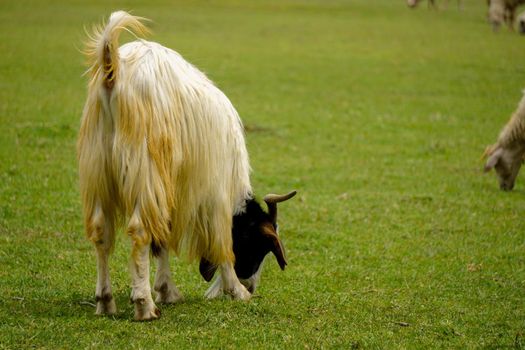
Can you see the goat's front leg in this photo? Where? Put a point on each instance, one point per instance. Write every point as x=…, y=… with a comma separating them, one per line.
x=228, y=283
x=167, y=292
x=145, y=308
x=102, y=234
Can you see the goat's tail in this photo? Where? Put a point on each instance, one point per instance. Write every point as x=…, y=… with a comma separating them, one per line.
x=102, y=45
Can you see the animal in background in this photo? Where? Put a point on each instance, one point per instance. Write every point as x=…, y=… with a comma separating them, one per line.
x=503, y=11
x=507, y=154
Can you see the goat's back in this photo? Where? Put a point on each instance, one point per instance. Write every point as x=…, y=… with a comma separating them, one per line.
x=172, y=146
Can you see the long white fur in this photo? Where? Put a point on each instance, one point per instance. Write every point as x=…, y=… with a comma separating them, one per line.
x=514, y=131
x=159, y=145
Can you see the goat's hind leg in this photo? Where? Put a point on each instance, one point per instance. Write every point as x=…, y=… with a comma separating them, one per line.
x=167, y=292
x=102, y=234
x=228, y=283
x=145, y=308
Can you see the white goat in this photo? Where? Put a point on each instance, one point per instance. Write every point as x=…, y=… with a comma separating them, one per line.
x=507, y=154
x=161, y=146
x=501, y=11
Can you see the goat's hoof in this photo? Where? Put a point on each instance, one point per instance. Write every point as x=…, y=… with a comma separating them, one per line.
x=145, y=310
x=167, y=293
x=239, y=293
x=244, y=295
x=105, y=305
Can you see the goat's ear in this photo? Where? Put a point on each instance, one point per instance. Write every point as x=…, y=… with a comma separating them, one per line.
x=275, y=244
x=493, y=158
x=207, y=269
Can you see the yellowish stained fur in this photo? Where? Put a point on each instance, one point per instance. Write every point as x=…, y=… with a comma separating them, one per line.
x=159, y=144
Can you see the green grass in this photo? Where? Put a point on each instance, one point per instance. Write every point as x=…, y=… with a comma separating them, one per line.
x=376, y=114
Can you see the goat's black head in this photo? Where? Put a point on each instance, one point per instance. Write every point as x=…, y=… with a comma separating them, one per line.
x=255, y=234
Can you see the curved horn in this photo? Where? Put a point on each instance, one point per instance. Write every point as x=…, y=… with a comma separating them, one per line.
x=272, y=200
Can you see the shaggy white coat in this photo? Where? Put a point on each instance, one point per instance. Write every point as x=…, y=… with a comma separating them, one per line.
x=162, y=150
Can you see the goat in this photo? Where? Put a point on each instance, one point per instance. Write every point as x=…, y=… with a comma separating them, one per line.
x=503, y=11
x=161, y=146
x=507, y=154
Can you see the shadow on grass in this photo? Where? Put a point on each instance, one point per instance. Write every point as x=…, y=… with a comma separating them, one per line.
x=76, y=306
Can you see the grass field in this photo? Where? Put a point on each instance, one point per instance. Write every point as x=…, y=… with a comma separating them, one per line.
x=376, y=114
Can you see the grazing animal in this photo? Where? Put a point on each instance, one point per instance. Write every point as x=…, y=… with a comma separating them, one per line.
x=503, y=11
x=162, y=151
x=507, y=154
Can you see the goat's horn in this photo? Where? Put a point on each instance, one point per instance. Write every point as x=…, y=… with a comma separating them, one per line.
x=272, y=200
